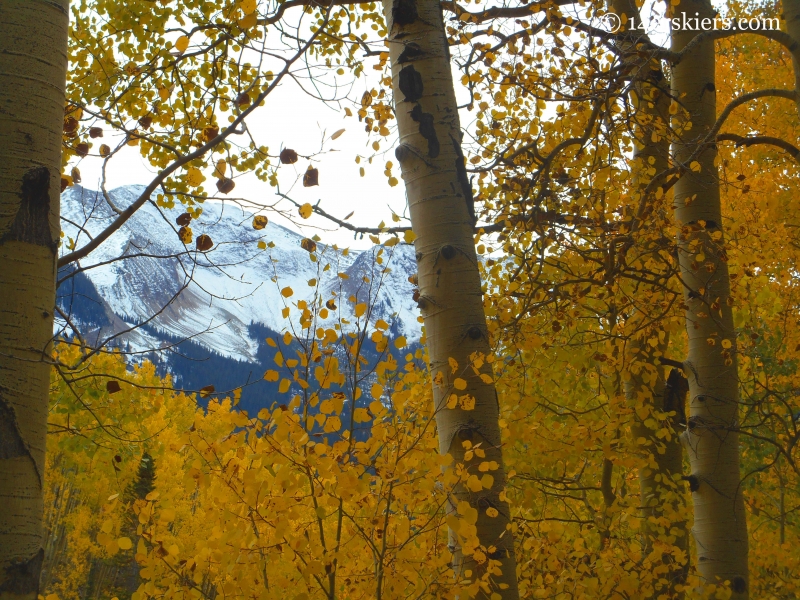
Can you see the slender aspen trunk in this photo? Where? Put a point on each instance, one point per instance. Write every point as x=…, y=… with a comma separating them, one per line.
x=660, y=487
x=662, y=501
x=712, y=441
x=791, y=14
x=33, y=62
x=442, y=215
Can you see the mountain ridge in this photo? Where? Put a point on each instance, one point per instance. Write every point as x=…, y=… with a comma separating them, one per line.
x=147, y=291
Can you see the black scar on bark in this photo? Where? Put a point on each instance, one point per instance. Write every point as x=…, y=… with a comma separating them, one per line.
x=411, y=83
x=426, y=129
x=694, y=482
x=404, y=12
x=411, y=51
x=22, y=578
x=675, y=391
x=463, y=180
x=739, y=585
x=32, y=221
x=11, y=444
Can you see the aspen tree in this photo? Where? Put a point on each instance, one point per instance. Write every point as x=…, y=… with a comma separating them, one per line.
x=647, y=390
x=33, y=62
x=791, y=14
x=443, y=217
x=720, y=530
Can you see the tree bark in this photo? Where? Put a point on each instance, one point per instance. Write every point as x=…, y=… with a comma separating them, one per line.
x=660, y=485
x=661, y=499
x=33, y=63
x=442, y=216
x=720, y=530
x=791, y=13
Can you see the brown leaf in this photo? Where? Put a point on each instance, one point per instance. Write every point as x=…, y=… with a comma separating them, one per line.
x=225, y=185
x=209, y=133
x=204, y=243
x=76, y=175
x=95, y=132
x=243, y=100
x=330, y=304
x=145, y=122
x=309, y=245
x=288, y=156
x=259, y=222
x=311, y=177
x=82, y=149
x=414, y=279
x=112, y=387
x=118, y=458
x=207, y=390
x=70, y=125
x=415, y=295
x=64, y=183
x=105, y=150
x=352, y=212
x=366, y=99
x=184, y=219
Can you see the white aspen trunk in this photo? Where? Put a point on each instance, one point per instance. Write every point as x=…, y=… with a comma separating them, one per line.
x=442, y=215
x=33, y=63
x=712, y=442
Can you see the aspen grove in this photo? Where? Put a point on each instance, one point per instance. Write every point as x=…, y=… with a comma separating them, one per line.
x=601, y=203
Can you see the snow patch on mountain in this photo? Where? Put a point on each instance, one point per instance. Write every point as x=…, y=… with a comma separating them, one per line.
x=214, y=297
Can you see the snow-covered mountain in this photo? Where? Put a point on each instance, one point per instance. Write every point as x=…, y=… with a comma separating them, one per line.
x=224, y=299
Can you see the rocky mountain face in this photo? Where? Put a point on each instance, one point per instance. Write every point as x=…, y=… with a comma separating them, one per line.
x=204, y=316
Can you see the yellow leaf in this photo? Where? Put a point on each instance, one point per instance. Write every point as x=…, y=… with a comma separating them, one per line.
x=376, y=391
x=278, y=359
x=459, y=384
x=409, y=236
x=381, y=324
x=248, y=6
x=487, y=481
x=336, y=134
x=181, y=44
x=248, y=21
x=284, y=386
x=124, y=543
x=287, y=292
x=474, y=484
x=305, y=210
x=271, y=376
x=695, y=166
x=194, y=177
x=400, y=342
x=361, y=308
x=219, y=171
